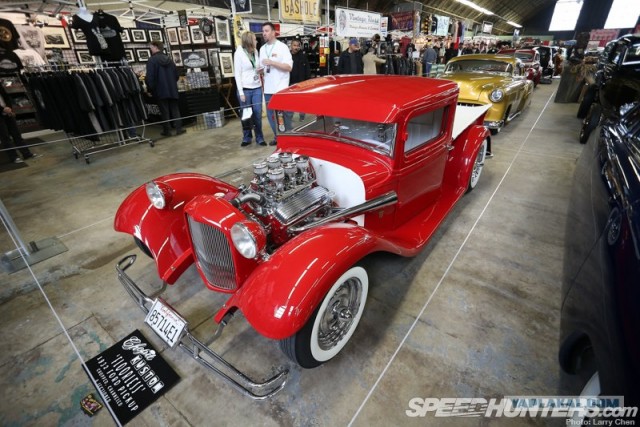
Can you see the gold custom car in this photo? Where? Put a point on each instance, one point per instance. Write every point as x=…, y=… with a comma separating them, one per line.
x=498, y=80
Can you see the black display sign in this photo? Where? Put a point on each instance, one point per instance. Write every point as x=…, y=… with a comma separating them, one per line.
x=131, y=375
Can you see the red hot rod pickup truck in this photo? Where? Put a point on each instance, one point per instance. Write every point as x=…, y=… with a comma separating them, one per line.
x=375, y=166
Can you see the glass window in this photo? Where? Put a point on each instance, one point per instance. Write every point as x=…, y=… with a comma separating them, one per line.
x=423, y=129
x=565, y=15
x=623, y=14
x=478, y=65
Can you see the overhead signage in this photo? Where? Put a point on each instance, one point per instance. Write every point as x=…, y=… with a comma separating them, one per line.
x=357, y=23
x=301, y=11
x=131, y=375
x=402, y=21
x=487, y=27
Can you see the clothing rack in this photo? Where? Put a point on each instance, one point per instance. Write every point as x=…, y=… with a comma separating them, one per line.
x=112, y=116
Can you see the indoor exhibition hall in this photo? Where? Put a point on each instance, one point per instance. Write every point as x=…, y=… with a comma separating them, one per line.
x=296, y=213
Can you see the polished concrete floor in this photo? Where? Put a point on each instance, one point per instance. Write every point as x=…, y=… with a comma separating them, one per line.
x=476, y=314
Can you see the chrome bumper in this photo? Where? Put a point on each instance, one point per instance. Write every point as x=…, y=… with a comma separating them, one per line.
x=200, y=351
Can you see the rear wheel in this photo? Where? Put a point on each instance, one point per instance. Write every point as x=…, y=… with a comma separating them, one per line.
x=478, y=165
x=333, y=323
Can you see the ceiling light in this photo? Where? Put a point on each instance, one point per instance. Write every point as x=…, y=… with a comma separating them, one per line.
x=475, y=6
x=513, y=24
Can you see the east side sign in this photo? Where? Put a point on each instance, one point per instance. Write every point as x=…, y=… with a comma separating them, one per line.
x=304, y=11
x=356, y=23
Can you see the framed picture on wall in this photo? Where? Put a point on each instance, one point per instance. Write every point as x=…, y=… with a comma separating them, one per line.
x=202, y=53
x=214, y=62
x=155, y=35
x=55, y=37
x=77, y=36
x=177, y=57
x=84, y=57
x=125, y=36
x=183, y=35
x=172, y=36
x=222, y=32
x=194, y=58
x=197, y=37
x=143, y=55
x=138, y=36
x=128, y=55
x=226, y=63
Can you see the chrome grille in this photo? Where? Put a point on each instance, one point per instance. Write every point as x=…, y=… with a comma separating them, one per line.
x=213, y=253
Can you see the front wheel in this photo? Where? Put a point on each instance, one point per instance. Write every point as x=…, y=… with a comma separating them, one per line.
x=331, y=326
x=478, y=165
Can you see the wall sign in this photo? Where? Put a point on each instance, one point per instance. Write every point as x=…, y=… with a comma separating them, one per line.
x=357, y=23
x=131, y=375
x=303, y=11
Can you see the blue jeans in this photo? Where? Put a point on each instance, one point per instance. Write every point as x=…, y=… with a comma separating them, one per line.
x=253, y=99
x=427, y=69
x=271, y=115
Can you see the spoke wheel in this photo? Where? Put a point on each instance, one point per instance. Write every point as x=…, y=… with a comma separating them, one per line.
x=328, y=331
x=478, y=165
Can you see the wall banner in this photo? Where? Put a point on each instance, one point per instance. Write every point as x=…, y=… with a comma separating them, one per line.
x=300, y=11
x=357, y=23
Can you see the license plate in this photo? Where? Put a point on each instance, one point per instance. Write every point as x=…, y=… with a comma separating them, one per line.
x=165, y=322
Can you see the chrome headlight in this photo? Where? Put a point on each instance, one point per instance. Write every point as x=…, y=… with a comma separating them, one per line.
x=159, y=194
x=496, y=95
x=249, y=238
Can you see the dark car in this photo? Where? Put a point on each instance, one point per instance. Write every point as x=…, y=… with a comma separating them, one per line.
x=600, y=317
x=617, y=82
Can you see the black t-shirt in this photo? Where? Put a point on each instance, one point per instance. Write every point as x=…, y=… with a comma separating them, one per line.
x=96, y=42
x=110, y=29
x=8, y=35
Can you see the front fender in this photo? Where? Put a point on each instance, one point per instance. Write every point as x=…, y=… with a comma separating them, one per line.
x=281, y=294
x=165, y=231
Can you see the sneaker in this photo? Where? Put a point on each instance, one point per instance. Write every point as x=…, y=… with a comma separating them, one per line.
x=32, y=156
x=18, y=160
x=261, y=143
x=273, y=142
x=181, y=131
x=488, y=155
x=245, y=143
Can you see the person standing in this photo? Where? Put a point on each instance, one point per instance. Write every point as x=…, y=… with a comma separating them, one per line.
x=300, y=72
x=452, y=52
x=162, y=78
x=9, y=129
x=277, y=62
x=429, y=58
x=350, y=61
x=245, y=65
x=370, y=60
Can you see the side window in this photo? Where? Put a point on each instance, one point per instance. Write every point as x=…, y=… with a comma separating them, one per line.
x=423, y=129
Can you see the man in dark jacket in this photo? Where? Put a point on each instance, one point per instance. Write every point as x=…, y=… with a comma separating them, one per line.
x=161, y=82
x=351, y=59
x=9, y=129
x=300, y=72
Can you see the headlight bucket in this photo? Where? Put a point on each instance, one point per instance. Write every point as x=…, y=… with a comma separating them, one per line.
x=249, y=238
x=159, y=194
x=496, y=95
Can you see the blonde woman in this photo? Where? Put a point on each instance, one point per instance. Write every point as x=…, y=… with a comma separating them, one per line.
x=247, y=74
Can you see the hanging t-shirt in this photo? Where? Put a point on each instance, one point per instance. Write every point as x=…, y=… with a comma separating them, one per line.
x=8, y=35
x=29, y=57
x=110, y=29
x=32, y=38
x=95, y=41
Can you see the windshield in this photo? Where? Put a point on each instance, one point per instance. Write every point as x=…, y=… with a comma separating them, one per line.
x=527, y=57
x=377, y=137
x=479, y=65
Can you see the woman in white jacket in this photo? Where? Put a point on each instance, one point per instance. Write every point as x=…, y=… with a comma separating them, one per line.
x=247, y=75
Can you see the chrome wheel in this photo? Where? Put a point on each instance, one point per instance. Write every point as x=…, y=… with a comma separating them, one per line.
x=478, y=165
x=339, y=314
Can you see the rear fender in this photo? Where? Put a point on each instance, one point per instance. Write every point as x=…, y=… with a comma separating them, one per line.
x=165, y=231
x=281, y=294
x=463, y=155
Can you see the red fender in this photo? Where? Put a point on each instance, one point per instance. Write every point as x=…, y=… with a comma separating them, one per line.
x=280, y=295
x=164, y=231
x=463, y=156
